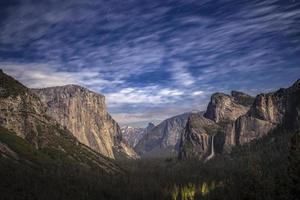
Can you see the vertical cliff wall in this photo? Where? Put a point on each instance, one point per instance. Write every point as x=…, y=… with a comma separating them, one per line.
x=84, y=113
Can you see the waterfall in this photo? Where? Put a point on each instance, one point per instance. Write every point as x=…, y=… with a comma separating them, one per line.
x=212, y=154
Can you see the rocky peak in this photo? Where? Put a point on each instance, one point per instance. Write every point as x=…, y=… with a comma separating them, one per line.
x=223, y=107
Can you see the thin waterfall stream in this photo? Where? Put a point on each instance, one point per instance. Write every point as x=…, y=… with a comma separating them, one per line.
x=212, y=154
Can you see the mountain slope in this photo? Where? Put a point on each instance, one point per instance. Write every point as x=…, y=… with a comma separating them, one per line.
x=50, y=174
x=23, y=113
x=84, y=114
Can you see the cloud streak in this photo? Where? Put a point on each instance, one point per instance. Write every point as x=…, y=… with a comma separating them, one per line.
x=163, y=55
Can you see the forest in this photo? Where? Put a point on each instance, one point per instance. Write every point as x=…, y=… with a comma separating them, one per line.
x=267, y=168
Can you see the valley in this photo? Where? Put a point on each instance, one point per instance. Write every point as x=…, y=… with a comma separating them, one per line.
x=150, y=100
x=61, y=143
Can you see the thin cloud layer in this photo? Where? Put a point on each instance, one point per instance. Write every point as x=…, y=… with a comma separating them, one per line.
x=167, y=56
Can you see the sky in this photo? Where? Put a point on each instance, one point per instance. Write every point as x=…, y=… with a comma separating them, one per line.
x=152, y=59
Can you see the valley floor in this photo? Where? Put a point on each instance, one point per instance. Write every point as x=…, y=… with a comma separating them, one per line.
x=265, y=169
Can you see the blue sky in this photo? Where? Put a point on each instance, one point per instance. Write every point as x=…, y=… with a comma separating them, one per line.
x=152, y=59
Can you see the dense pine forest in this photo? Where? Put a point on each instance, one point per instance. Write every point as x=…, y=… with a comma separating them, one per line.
x=267, y=168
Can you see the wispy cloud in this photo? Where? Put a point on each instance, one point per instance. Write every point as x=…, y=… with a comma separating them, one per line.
x=181, y=74
x=146, y=95
x=37, y=75
x=145, y=55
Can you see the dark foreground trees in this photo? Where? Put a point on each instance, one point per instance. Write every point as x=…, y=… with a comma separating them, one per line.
x=265, y=169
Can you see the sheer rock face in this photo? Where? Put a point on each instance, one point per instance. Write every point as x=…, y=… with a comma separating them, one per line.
x=164, y=139
x=84, y=113
x=223, y=107
x=268, y=111
x=248, y=128
x=265, y=114
x=268, y=107
x=241, y=119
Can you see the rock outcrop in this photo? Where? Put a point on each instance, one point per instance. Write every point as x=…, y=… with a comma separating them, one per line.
x=164, y=139
x=221, y=113
x=268, y=111
x=223, y=107
x=84, y=114
x=238, y=119
x=22, y=113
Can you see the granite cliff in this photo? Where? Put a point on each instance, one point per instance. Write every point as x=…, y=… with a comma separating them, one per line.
x=267, y=112
x=25, y=125
x=223, y=107
x=84, y=114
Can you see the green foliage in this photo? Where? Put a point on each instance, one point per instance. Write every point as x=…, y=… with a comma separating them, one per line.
x=175, y=193
x=49, y=173
x=204, y=189
x=188, y=192
x=25, y=150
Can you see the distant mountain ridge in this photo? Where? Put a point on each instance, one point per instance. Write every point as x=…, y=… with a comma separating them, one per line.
x=163, y=140
x=134, y=134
